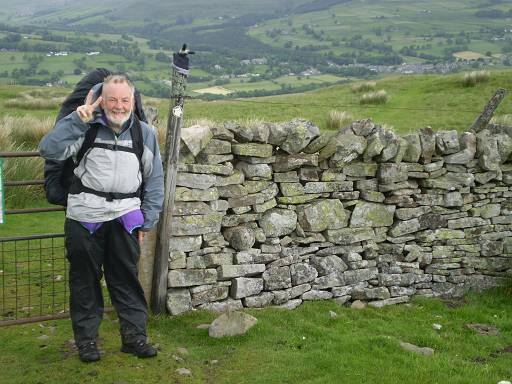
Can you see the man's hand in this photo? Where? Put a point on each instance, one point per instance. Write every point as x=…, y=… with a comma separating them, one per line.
x=85, y=112
x=140, y=235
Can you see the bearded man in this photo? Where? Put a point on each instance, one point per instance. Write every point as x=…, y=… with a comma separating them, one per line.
x=116, y=196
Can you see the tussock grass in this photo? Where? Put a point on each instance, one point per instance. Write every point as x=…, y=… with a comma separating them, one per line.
x=37, y=99
x=473, y=78
x=338, y=119
x=364, y=87
x=19, y=134
x=378, y=97
x=26, y=130
x=18, y=169
x=198, y=121
x=502, y=120
x=32, y=103
x=45, y=92
x=161, y=132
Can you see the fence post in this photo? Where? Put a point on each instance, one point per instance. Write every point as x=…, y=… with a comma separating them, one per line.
x=484, y=118
x=180, y=67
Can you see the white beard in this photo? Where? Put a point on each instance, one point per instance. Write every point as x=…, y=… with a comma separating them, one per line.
x=118, y=121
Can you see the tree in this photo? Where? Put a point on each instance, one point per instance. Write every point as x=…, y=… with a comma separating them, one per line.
x=160, y=56
x=12, y=38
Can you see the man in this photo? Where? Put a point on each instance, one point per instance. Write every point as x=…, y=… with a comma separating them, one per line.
x=114, y=199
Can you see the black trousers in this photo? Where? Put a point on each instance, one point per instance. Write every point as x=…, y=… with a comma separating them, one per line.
x=115, y=252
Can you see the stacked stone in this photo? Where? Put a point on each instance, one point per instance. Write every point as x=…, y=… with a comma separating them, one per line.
x=275, y=214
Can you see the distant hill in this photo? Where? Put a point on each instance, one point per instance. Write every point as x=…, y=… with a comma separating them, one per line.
x=282, y=39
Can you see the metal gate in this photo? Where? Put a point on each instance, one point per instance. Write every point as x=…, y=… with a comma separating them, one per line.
x=33, y=269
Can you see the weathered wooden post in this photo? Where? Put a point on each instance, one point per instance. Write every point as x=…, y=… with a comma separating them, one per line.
x=485, y=117
x=180, y=65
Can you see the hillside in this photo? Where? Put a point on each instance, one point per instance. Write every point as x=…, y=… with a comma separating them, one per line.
x=442, y=102
x=251, y=48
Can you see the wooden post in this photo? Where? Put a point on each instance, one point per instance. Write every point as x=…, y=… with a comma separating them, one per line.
x=484, y=118
x=170, y=161
x=146, y=263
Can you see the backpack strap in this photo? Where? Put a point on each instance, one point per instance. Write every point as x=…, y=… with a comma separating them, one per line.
x=88, y=142
x=137, y=148
x=137, y=141
x=78, y=187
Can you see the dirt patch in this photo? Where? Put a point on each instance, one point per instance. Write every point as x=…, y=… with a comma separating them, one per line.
x=500, y=352
x=479, y=360
x=484, y=329
x=454, y=303
x=214, y=90
x=468, y=55
x=494, y=355
x=70, y=349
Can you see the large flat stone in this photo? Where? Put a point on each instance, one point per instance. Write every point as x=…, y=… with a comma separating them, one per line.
x=277, y=278
x=227, y=272
x=178, y=301
x=372, y=215
x=196, y=224
x=252, y=149
x=299, y=135
x=278, y=222
x=347, y=236
x=194, y=180
x=196, y=138
x=322, y=215
x=186, y=194
x=214, y=293
x=185, y=243
x=243, y=287
x=191, y=277
x=286, y=163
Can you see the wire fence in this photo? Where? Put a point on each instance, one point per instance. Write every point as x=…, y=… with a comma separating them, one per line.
x=33, y=277
x=33, y=269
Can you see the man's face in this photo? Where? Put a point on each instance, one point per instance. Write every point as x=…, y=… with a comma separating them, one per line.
x=117, y=103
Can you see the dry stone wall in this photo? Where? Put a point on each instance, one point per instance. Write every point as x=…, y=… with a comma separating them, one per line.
x=276, y=214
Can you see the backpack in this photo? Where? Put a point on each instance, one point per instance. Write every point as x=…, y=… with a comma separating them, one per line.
x=59, y=175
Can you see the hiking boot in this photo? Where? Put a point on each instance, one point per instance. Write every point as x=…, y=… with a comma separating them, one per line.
x=88, y=352
x=139, y=348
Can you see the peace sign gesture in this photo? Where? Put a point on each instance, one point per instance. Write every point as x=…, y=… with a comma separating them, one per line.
x=85, y=111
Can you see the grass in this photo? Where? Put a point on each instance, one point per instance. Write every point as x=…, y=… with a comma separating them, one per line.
x=32, y=103
x=502, y=120
x=305, y=345
x=378, y=97
x=34, y=223
x=19, y=134
x=364, y=87
x=395, y=23
x=338, y=119
x=441, y=102
x=471, y=79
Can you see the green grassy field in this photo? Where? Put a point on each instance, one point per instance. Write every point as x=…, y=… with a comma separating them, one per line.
x=415, y=101
x=301, y=346
x=397, y=23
